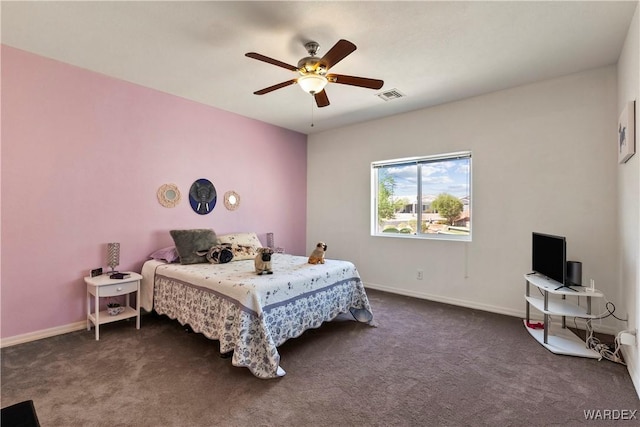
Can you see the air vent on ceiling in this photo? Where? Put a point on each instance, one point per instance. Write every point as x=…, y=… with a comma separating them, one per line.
x=391, y=94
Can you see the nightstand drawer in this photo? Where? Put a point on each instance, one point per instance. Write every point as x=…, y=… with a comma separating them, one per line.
x=117, y=289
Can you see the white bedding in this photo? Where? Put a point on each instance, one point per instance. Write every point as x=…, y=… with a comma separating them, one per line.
x=252, y=314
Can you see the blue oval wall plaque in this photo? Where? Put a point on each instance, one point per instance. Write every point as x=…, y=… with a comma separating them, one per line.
x=202, y=196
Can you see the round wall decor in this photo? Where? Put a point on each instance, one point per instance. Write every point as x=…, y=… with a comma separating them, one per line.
x=231, y=200
x=169, y=195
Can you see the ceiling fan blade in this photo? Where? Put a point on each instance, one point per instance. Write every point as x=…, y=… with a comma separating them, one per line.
x=355, y=81
x=275, y=87
x=270, y=61
x=337, y=53
x=322, y=100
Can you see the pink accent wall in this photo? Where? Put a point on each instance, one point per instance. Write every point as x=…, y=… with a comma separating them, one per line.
x=82, y=158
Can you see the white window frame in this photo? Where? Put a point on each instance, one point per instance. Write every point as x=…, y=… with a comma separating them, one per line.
x=419, y=161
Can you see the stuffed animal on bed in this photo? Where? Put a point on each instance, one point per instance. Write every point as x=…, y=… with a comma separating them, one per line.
x=263, y=261
x=219, y=254
x=317, y=256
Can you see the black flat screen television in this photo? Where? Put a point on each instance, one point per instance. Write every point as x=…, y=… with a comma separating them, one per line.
x=549, y=256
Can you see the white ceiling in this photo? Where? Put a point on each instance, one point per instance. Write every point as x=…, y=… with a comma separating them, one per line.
x=431, y=51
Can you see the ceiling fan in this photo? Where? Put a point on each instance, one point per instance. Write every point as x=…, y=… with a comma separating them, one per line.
x=313, y=71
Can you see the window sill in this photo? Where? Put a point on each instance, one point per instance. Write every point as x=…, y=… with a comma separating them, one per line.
x=434, y=236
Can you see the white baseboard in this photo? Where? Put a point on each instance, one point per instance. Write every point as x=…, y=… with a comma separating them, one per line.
x=630, y=360
x=45, y=333
x=605, y=329
x=446, y=300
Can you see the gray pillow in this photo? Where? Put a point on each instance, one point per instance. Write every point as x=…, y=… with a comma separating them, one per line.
x=189, y=242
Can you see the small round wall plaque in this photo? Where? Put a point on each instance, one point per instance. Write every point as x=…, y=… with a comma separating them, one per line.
x=231, y=200
x=169, y=195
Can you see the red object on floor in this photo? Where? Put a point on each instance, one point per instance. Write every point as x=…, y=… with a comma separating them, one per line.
x=538, y=325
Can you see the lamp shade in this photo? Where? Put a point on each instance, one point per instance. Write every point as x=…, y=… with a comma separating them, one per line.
x=312, y=83
x=113, y=255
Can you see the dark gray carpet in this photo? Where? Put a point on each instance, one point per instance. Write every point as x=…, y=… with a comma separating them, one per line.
x=427, y=364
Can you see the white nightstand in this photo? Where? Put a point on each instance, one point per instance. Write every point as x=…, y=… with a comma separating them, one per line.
x=103, y=286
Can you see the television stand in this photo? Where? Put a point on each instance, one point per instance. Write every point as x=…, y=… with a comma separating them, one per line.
x=565, y=287
x=554, y=302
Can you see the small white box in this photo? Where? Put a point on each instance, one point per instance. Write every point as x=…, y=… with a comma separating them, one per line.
x=627, y=338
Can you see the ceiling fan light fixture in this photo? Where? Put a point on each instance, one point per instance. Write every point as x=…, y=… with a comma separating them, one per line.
x=312, y=83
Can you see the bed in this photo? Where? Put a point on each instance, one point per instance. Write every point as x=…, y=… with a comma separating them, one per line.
x=249, y=314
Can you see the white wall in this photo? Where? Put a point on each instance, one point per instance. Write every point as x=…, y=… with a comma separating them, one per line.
x=628, y=200
x=544, y=159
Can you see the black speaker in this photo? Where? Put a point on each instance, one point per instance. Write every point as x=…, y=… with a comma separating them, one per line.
x=574, y=273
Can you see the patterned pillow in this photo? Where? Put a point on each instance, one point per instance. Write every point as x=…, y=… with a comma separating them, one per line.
x=190, y=242
x=243, y=245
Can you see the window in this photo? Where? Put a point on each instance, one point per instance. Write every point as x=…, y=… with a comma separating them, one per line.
x=424, y=197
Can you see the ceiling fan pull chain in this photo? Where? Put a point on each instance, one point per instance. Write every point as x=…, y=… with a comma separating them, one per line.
x=311, y=110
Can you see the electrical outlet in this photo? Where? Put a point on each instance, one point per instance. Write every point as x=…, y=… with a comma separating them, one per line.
x=419, y=275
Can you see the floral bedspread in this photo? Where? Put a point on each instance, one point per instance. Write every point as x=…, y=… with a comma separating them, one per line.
x=252, y=314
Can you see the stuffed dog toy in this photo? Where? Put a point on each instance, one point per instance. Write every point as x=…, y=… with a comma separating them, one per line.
x=263, y=261
x=317, y=256
x=219, y=254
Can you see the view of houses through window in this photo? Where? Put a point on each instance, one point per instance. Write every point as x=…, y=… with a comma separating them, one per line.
x=424, y=196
